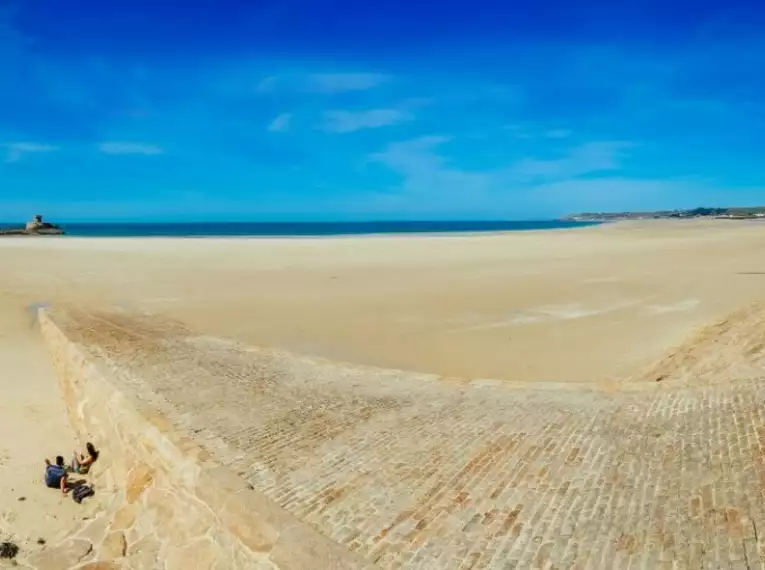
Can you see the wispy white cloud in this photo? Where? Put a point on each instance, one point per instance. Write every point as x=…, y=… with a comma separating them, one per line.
x=419, y=157
x=583, y=159
x=349, y=121
x=270, y=83
x=413, y=155
x=531, y=132
x=428, y=175
x=15, y=151
x=280, y=123
x=558, y=134
x=426, y=172
x=341, y=82
x=129, y=148
x=323, y=83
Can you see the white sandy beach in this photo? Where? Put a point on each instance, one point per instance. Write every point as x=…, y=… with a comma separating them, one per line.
x=583, y=305
x=588, y=305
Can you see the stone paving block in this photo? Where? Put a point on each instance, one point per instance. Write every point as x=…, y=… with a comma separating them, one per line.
x=61, y=556
x=113, y=546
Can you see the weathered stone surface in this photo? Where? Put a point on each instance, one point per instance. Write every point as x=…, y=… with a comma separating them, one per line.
x=113, y=546
x=145, y=553
x=187, y=527
x=95, y=530
x=124, y=517
x=300, y=549
x=238, y=558
x=202, y=554
x=216, y=485
x=61, y=556
x=219, y=486
x=244, y=524
x=109, y=565
x=139, y=479
x=162, y=505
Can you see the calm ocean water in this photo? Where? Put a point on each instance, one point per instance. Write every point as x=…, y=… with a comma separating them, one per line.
x=286, y=229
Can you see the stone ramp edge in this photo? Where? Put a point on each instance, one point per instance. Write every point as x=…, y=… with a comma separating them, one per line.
x=154, y=480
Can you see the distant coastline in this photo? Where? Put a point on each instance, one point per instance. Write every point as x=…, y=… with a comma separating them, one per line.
x=337, y=229
x=751, y=213
x=308, y=229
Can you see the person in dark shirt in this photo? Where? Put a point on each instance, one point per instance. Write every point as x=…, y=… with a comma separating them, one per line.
x=55, y=475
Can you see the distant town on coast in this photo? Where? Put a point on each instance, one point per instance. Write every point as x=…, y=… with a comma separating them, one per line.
x=720, y=213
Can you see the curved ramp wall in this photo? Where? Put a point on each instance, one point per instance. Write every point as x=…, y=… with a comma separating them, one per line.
x=162, y=500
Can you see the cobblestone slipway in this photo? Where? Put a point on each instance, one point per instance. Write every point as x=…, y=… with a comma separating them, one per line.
x=415, y=471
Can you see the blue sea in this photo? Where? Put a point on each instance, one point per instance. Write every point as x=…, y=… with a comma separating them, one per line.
x=290, y=229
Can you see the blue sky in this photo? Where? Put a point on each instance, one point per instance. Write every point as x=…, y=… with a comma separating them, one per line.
x=348, y=110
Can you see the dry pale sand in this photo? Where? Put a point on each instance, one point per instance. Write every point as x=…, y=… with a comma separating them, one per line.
x=597, y=304
x=583, y=305
x=33, y=425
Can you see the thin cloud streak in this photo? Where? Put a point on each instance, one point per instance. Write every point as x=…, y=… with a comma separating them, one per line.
x=558, y=134
x=583, y=159
x=280, y=123
x=427, y=173
x=342, y=82
x=321, y=83
x=120, y=148
x=15, y=151
x=349, y=121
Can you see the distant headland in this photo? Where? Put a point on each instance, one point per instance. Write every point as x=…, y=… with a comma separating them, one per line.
x=718, y=213
x=37, y=227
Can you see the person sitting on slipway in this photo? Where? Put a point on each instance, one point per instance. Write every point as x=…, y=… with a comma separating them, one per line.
x=55, y=475
x=80, y=463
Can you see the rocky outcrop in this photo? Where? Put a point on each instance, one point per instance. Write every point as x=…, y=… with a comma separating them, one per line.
x=37, y=227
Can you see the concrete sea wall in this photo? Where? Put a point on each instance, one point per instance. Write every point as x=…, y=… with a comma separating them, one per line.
x=162, y=501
